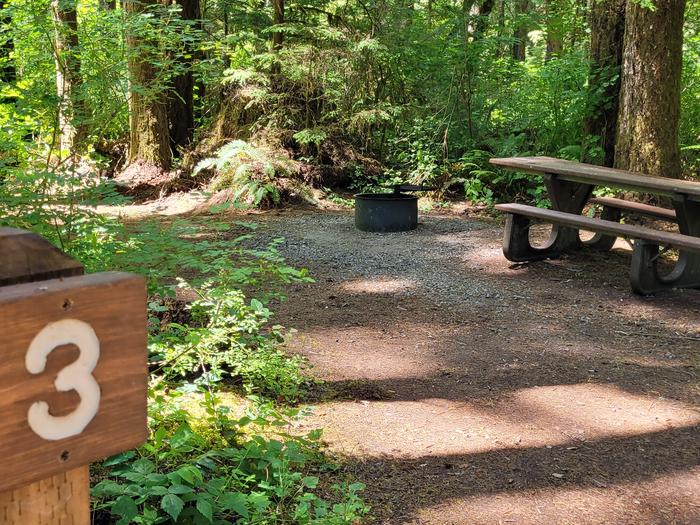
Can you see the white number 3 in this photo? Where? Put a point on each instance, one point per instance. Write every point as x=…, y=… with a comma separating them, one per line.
x=76, y=376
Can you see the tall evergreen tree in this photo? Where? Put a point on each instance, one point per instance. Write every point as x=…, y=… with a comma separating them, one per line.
x=647, y=128
x=181, y=98
x=607, y=21
x=72, y=112
x=149, y=137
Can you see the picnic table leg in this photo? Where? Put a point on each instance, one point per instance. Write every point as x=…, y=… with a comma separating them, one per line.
x=566, y=196
x=601, y=241
x=644, y=273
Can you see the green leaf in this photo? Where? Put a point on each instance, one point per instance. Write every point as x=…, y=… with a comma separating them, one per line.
x=236, y=502
x=119, y=458
x=310, y=482
x=189, y=473
x=126, y=508
x=256, y=305
x=178, y=488
x=205, y=509
x=172, y=504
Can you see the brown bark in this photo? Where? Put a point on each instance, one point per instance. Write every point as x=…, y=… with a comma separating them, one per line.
x=607, y=20
x=149, y=139
x=647, y=129
x=521, y=30
x=72, y=112
x=181, y=100
x=480, y=13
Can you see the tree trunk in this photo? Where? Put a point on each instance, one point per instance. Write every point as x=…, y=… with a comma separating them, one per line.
x=277, y=38
x=521, y=30
x=479, y=14
x=647, y=129
x=72, y=112
x=181, y=100
x=149, y=139
x=607, y=21
x=8, y=73
x=554, y=18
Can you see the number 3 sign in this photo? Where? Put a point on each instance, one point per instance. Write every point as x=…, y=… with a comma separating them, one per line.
x=77, y=376
x=72, y=373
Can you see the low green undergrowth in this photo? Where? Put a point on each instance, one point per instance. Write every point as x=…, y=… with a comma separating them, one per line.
x=210, y=287
x=219, y=469
x=202, y=464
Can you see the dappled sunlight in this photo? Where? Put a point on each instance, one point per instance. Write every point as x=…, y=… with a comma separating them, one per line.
x=530, y=417
x=364, y=353
x=668, y=498
x=586, y=411
x=383, y=285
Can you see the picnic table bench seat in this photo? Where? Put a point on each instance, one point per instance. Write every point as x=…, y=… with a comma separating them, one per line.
x=613, y=205
x=570, y=186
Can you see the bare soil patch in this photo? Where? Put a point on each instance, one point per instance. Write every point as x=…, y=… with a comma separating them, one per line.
x=463, y=389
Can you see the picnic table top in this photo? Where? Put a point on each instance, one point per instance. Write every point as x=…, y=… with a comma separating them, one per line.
x=600, y=175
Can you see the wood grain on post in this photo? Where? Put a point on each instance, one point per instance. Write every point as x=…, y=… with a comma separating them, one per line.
x=63, y=498
x=45, y=478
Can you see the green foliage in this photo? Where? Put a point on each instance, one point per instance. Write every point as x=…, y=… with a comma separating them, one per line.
x=221, y=469
x=250, y=173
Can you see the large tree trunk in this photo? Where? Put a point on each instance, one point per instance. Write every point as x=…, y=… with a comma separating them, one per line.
x=479, y=14
x=647, y=130
x=149, y=139
x=607, y=32
x=72, y=114
x=181, y=100
x=520, y=34
x=8, y=73
x=554, y=18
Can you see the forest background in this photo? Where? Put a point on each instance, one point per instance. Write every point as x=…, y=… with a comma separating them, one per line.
x=269, y=102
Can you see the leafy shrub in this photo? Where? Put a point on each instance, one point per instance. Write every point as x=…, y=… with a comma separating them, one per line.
x=250, y=173
x=222, y=470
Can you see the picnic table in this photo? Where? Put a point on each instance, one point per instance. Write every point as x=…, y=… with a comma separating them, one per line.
x=570, y=187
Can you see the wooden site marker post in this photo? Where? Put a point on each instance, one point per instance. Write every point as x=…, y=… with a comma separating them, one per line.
x=73, y=383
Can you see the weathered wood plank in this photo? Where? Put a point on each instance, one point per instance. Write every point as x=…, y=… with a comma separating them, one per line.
x=112, y=304
x=26, y=257
x=61, y=499
x=600, y=175
x=635, y=207
x=608, y=227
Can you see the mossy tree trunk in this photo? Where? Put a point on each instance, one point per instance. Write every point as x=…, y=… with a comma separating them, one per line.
x=521, y=30
x=72, y=113
x=647, y=128
x=607, y=21
x=554, y=25
x=149, y=137
x=181, y=99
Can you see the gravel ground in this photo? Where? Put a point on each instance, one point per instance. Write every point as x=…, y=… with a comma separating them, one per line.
x=464, y=389
x=424, y=257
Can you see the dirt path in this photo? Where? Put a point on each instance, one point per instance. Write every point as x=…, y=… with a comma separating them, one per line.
x=463, y=390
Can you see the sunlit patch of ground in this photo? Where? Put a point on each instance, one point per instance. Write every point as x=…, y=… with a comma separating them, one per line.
x=669, y=498
x=378, y=285
x=347, y=354
x=531, y=417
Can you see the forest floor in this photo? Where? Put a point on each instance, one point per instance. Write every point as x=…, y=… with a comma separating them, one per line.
x=463, y=389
